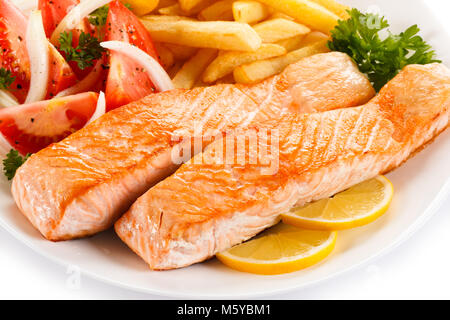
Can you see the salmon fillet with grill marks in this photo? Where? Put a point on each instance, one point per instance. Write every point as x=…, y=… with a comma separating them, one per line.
x=80, y=186
x=207, y=207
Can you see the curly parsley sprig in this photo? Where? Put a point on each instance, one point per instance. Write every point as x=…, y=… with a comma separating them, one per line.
x=13, y=162
x=6, y=78
x=87, y=51
x=361, y=38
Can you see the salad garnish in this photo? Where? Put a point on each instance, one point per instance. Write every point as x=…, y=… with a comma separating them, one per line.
x=6, y=78
x=381, y=58
x=87, y=51
x=13, y=162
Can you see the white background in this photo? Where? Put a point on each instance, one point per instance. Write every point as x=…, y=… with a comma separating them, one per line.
x=418, y=269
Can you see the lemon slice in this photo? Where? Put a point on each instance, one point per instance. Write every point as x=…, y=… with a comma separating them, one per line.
x=281, y=249
x=352, y=208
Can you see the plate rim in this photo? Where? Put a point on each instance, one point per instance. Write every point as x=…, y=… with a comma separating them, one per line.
x=431, y=210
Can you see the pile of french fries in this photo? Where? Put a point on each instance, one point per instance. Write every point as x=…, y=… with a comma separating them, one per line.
x=206, y=42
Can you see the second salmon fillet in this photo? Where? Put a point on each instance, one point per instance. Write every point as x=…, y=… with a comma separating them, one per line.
x=211, y=204
x=80, y=186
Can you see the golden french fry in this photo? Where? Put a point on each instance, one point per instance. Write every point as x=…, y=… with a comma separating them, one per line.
x=190, y=5
x=280, y=15
x=174, y=69
x=249, y=11
x=307, y=12
x=173, y=10
x=260, y=70
x=193, y=68
x=293, y=43
x=165, y=3
x=141, y=7
x=224, y=35
x=165, y=55
x=298, y=42
x=335, y=7
x=164, y=19
x=181, y=52
x=227, y=61
x=278, y=29
x=221, y=10
x=314, y=37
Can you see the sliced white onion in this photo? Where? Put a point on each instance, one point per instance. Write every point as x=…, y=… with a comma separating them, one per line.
x=5, y=146
x=155, y=71
x=100, y=109
x=7, y=100
x=26, y=5
x=86, y=83
x=38, y=52
x=74, y=17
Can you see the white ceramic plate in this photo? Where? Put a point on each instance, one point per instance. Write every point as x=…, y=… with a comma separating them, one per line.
x=421, y=185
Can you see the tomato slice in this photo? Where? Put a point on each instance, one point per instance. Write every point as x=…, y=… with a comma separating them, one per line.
x=53, y=11
x=127, y=81
x=14, y=55
x=32, y=127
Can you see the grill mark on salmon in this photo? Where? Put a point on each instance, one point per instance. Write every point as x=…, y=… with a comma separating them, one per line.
x=209, y=207
x=80, y=186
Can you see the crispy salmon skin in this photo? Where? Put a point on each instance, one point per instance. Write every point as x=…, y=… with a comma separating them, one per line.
x=80, y=186
x=207, y=206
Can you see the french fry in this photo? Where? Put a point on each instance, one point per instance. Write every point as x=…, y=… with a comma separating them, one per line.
x=181, y=52
x=291, y=44
x=335, y=7
x=314, y=37
x=227, y=61
x=142, y=7
x=165, y=3
x=193, y=68
x=165, y=55
x=173, y=10
x=280, y=15
x=248, y=11
x=163, y=19
x=278, y=29
x=260, y=70
x=190, y=5
x=221, y=10
x=224, y=35
x=174, y=69
x=306, y=12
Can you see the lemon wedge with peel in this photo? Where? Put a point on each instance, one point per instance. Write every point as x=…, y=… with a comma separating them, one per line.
x=352, y=208
x=278, y=250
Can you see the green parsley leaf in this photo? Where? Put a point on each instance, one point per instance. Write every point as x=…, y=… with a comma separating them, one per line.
x=85, y=53
x=13, y=162
x=381, y=58
x=98, y=17
x=6, y=79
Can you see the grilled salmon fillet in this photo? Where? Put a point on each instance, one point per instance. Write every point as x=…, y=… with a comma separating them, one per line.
x=207, y=206
x=81, y=185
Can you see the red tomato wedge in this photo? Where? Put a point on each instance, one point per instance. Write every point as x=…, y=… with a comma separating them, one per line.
x=53, y=11
x=32, y=127
x=14, y=55
x=127, y=81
